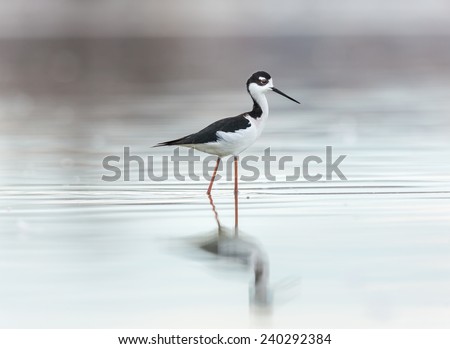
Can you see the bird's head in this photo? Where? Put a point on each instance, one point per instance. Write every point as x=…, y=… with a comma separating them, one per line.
x=261, y=82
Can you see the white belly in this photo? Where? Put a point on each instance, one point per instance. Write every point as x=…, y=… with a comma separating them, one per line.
x=232, y=143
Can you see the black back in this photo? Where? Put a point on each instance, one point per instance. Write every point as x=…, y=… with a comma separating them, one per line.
x=209, y=133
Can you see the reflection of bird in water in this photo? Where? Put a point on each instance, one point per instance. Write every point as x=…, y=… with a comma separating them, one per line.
x=230, y=245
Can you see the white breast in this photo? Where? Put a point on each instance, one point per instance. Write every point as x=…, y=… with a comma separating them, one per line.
x=233, y=143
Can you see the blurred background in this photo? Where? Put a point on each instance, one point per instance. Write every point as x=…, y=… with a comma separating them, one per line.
x=81, y=80
x=86, y=47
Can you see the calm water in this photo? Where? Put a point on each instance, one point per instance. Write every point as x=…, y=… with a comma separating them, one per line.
x=373, y=251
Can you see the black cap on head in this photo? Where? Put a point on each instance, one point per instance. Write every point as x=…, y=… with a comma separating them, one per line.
x=260, y=77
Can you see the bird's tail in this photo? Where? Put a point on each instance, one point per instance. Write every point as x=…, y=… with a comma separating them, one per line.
x=179, y=141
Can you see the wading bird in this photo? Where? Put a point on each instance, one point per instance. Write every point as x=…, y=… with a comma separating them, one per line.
x=231, y=136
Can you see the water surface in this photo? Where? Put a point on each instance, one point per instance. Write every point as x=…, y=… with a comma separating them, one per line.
x=372, y=251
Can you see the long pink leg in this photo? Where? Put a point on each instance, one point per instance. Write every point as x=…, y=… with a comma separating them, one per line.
x=213, y=176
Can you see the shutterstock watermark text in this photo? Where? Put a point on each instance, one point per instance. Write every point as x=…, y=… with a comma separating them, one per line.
x=312, y=168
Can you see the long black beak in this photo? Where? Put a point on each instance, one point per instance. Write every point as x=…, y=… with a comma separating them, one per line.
x=284, y=95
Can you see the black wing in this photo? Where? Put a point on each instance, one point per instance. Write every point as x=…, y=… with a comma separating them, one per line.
x=209, y=133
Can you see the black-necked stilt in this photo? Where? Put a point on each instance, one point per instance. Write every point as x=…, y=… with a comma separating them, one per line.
x=231, y=136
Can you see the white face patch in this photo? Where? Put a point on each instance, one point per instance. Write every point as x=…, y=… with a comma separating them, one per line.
x=256, y=88
x=262, y=79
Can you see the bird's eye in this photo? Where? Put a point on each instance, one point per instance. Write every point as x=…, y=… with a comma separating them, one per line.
x=262, y=81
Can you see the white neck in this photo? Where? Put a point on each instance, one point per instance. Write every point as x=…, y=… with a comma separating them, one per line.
x=260, y=98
